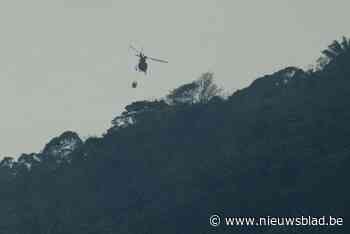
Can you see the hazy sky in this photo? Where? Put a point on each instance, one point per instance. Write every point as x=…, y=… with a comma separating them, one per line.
x=65, y=64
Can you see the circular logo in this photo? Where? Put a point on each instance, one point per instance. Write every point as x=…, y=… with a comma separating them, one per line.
x=214, y=220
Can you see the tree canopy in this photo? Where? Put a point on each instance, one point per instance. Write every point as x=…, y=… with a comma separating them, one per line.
x=278, y=148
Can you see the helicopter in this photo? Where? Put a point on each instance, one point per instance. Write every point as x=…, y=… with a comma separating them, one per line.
x=142, y=65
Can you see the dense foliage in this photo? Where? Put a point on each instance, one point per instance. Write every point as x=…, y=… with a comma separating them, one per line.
x=279, y=147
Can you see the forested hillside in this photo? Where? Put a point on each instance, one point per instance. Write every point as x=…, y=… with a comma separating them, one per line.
x=279, y=147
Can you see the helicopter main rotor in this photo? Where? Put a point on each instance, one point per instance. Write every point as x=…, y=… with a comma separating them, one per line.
x=140, y=54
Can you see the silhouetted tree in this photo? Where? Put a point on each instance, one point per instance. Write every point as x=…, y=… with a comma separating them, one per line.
x=332, y=52
x=198, y=91
x=337, y=48
x=185, y=94
x=207, y=89
x=278, y=147
x=134, y=111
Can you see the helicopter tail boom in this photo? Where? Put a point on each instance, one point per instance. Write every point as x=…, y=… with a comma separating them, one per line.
x=158, y=60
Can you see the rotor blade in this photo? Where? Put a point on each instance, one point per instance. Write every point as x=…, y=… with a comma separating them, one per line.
x=133, y=48
x=157, y=60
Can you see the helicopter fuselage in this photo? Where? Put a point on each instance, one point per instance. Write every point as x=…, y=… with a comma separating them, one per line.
x=142, y=66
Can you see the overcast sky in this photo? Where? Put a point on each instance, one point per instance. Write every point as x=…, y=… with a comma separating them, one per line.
x=65, y=64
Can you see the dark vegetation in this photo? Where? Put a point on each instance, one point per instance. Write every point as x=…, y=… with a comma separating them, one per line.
x=279, y=147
